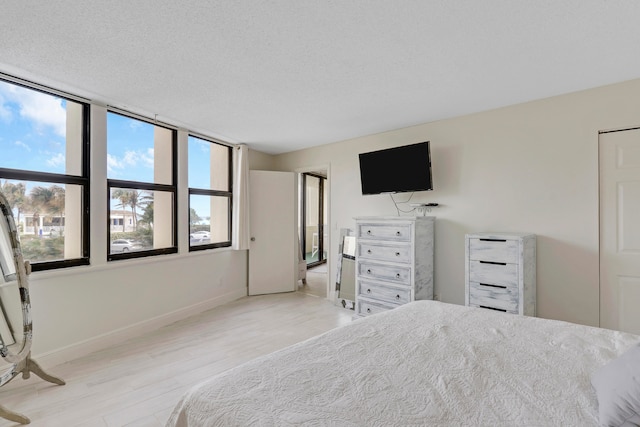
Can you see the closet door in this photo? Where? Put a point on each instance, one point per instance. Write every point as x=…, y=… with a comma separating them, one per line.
x=620, y=230
x=273, y=256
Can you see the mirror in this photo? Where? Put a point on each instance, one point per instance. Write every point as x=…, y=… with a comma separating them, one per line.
x=346, y=279
x=15, y=310
x=15, y=325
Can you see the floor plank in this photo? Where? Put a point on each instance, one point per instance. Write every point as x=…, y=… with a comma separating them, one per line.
x=138, y=382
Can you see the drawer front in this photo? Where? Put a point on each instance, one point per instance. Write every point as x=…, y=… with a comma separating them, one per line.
x=395, y=274
x=492, y=296
x=366, y=308
x=494, y=250
x=398, y=233
x=384, y=293
x=398, y=253
x=493, y=273
x=494, y=308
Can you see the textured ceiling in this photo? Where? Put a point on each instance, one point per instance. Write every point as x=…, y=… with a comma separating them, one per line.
x=282, y=75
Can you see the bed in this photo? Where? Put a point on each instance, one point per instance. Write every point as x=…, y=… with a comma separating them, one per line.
x=425, y=363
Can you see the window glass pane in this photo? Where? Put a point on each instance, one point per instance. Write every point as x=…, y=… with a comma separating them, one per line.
x=140, y=220
x=199, y=219
x=199, y=164
x=208, y=219
x=39, y=132
x=208, y=165
x=48, y=217
x=138, y=151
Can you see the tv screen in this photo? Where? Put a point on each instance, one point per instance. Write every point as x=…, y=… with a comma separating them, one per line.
x=396, y=170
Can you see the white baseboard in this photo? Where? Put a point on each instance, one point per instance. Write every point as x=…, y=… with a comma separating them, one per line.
x=115, y=337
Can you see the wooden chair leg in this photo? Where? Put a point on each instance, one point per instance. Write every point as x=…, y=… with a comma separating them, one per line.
x=13, y=416
x=32, y=366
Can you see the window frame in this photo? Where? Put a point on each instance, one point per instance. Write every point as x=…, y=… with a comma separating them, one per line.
x=82, y=180
x=217, y=193
x=146, y=186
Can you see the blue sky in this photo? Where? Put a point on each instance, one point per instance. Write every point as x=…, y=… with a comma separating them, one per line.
x=32, y=137
x=32, y=130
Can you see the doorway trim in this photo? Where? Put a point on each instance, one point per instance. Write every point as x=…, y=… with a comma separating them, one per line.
x=321, y=216
x=327, y=169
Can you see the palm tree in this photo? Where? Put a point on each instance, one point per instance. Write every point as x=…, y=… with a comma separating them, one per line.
x=134, y=199
x=15, y=195
x=193, y=218
x=48, y=200
x=123, y=196
x=134, y=202
x=147, y=214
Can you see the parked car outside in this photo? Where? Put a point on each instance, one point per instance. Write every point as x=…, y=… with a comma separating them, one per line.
x=124, y=245
x=200, y=235
x=199, y=238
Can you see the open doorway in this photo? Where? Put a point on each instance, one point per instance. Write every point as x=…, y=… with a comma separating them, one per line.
x=313, y=230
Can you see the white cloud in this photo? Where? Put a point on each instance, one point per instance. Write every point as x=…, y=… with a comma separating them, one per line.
x=45, y=111
x=57, y=160
x=130, y=159
x=5, y=112
x=23, y=145
x=147, y=158
x=113, y=163
x=135, y=124
x=204, y=146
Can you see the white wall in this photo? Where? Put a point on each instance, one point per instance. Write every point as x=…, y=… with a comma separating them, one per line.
x=83, y=309
x=260, y=161
x=531, y=167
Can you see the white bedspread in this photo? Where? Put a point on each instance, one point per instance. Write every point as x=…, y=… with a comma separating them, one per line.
x=425, y=363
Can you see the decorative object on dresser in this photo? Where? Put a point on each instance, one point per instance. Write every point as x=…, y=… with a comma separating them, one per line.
x=394, y=262
x=500, y=272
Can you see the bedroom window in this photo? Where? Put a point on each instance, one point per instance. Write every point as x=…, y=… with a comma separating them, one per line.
x=44, y=173
x=141, y=187
x=210, y=172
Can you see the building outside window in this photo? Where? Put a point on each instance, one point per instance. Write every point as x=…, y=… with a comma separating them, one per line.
x=141, y=186
x=44, y=173
x=210, y=190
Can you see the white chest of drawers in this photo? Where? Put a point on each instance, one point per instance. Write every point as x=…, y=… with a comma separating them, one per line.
x=500, y=272
x=394, y=262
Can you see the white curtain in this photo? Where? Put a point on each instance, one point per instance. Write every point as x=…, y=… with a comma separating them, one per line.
x=240, y=220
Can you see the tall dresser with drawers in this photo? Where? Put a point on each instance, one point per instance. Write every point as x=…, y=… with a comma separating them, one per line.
x=500, y=272
x=394, y=262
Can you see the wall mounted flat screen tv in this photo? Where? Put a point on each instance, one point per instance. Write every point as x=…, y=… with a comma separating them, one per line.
x=396, y=170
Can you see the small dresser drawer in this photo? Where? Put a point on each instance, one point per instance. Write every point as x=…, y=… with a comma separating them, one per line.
x=367, y=308
x=493, y=273
x=393, y=253
x=491, y=307
x=494, y=296
x=398, y=233
x=384, y=293
x=496, y=250
x=395, y=274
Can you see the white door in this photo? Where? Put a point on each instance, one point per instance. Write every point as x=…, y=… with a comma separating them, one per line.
x=273, y=257
x=620, y=230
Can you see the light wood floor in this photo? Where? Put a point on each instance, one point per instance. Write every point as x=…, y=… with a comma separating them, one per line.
x=316, y=282
x=139, y=382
